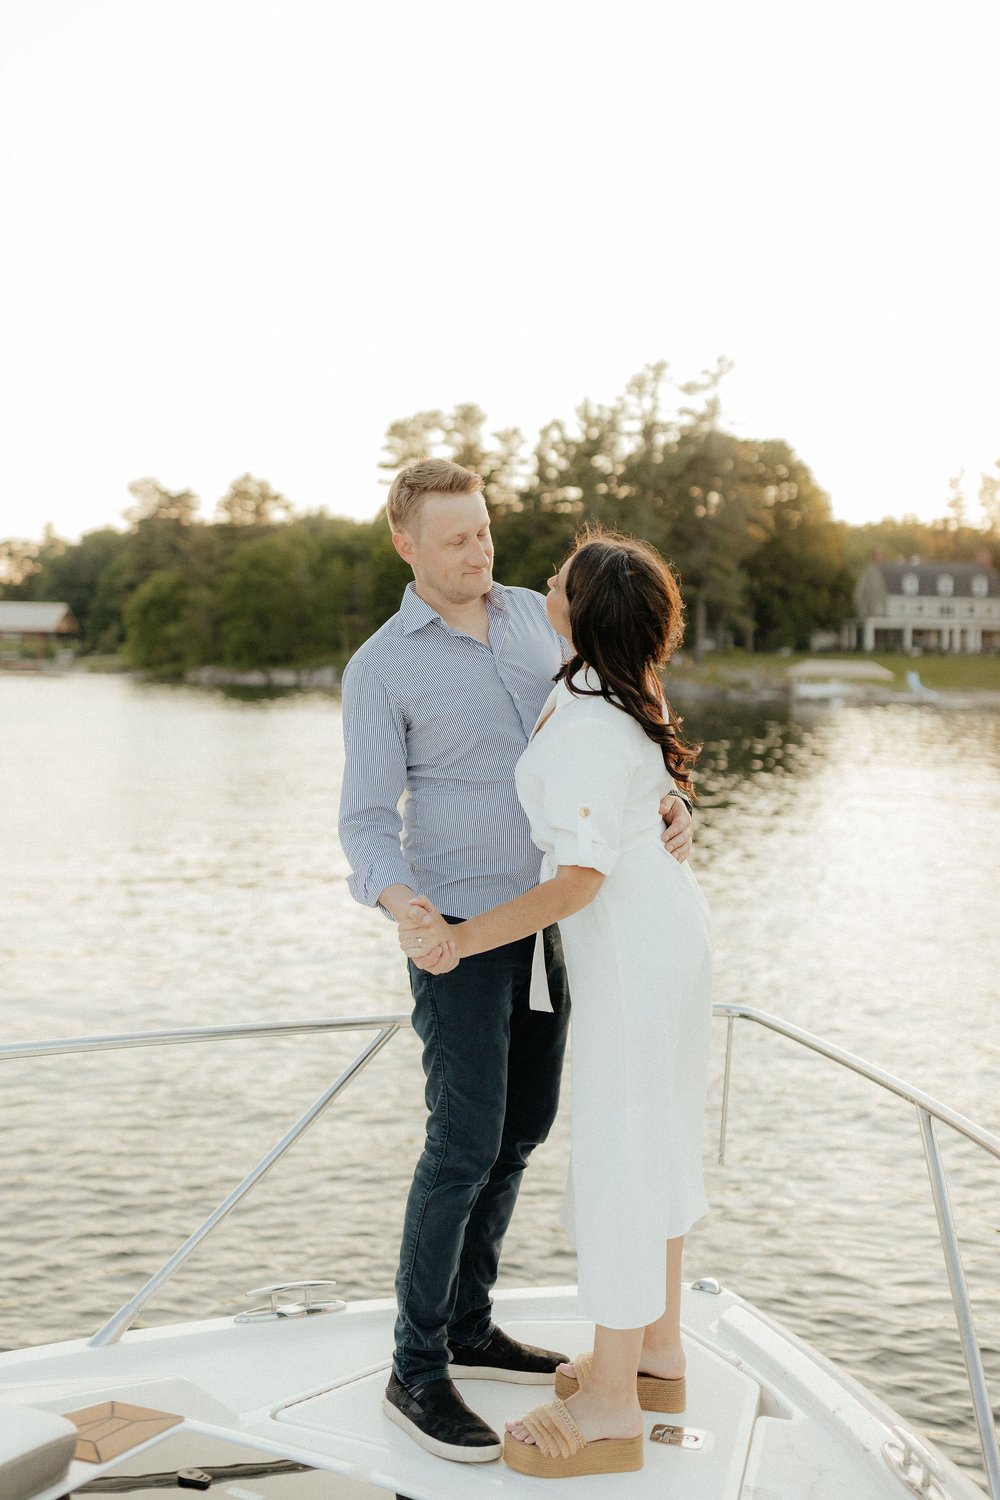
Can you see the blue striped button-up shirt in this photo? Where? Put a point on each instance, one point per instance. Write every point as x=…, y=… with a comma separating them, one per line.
x=435, y=713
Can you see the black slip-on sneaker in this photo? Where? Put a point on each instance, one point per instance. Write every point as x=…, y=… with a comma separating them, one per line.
x=503, y=1358
x=437, y=1418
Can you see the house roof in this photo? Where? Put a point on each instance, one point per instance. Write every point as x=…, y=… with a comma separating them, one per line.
x=927, y=575
x=36, y=618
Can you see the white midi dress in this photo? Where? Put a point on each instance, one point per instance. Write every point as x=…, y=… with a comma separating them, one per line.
x=639, y=962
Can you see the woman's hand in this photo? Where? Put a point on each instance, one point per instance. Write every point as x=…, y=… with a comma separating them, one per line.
x=678, y=834
x=424, y=937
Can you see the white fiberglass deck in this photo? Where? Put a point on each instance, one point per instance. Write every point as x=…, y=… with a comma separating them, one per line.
x=774, y=1420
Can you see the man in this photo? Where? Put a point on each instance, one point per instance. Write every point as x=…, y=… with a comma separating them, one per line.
x=439, y=703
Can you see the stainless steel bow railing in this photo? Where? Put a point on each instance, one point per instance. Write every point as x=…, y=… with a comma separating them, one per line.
x=385, y=1026
x=928, y=1111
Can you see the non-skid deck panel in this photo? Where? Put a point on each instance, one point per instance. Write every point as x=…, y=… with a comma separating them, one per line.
x=234, y=1469
x=722, y=1403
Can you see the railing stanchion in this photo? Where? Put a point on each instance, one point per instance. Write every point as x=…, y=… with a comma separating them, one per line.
x=126, y=1315
x=730, y=1023
x=928, y=1110
x=963, y=1307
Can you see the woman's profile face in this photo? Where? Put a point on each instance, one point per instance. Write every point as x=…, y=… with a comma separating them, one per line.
x=556, y=604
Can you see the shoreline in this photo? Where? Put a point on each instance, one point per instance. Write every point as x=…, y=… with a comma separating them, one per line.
x=869, y=696
x=766, y=680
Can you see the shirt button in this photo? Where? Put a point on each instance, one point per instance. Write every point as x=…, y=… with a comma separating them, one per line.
x=584, y=812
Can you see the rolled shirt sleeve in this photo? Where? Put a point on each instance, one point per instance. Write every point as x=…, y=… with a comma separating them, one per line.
x=585, y=802
x=374, y=781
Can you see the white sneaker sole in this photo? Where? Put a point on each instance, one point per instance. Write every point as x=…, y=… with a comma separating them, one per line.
x=455, y=1451
x=491, y=1372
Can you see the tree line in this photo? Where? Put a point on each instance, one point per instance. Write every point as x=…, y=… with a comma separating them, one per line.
x=761, y=559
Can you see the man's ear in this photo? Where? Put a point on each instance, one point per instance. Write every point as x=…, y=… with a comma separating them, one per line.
x=404, y=546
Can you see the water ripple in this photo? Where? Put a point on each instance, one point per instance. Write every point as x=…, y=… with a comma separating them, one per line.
x=171, y=858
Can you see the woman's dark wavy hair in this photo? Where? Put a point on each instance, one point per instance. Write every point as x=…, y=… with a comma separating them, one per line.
x=627, y=620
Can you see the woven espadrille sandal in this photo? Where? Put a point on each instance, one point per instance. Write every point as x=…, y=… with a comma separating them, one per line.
x=560, y=1450
x=655, y=1394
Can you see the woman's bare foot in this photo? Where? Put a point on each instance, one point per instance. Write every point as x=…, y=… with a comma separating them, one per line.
x=665, y=1361
x=596, y=1416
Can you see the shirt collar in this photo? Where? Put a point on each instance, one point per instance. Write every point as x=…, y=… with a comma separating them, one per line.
x=415, y=613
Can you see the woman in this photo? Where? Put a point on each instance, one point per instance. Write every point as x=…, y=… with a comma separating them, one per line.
x=635, y=933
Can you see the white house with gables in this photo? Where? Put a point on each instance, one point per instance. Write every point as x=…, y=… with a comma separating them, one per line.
x=934, y=606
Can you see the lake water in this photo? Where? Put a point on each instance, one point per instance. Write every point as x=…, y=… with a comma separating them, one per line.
x=169, y=857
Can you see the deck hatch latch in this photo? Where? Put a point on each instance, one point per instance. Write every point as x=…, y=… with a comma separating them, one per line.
x=677, y=1437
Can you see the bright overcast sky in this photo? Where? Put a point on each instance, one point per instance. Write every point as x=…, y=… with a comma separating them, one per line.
x=248, y=234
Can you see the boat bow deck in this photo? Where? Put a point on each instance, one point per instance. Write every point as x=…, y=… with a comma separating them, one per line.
x=773, y=1419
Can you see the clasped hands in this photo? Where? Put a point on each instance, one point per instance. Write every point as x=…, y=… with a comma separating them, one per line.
x=424, y=937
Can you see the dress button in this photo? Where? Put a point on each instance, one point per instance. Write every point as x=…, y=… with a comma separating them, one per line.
x=584, y=812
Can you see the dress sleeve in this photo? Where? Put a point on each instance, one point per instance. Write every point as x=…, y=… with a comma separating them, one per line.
x=585, y=794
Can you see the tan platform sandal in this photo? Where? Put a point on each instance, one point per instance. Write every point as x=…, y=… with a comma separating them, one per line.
x=560, y=1450
x=655, y=1394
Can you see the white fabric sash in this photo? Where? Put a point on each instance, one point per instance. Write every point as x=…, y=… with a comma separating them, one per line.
x=538, y=996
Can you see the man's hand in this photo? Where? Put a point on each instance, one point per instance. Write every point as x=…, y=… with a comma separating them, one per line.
x=678, y=835
x=440, y=960
x=424, y=937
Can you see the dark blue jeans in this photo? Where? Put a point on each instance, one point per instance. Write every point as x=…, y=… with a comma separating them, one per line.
x=493, y=1068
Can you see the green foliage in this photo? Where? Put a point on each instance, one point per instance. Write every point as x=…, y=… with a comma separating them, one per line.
x=166, y=623
x=531, y=545
x=76, y=574
x=797, y=577
x=703, y=497
x=264, y=603
x=743, y=521
x=461, y=437
x=896, y=540
x=989, y=503
x=252, y=502
x=385, y=575
x=18, y=562
x=155, y=503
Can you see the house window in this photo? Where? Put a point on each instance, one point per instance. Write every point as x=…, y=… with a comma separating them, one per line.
x=945, y=584
x=911, y=583
x=980, y=585
x=946, y=609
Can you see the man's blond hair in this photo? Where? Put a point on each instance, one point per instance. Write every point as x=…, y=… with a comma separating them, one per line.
x=413, y=484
